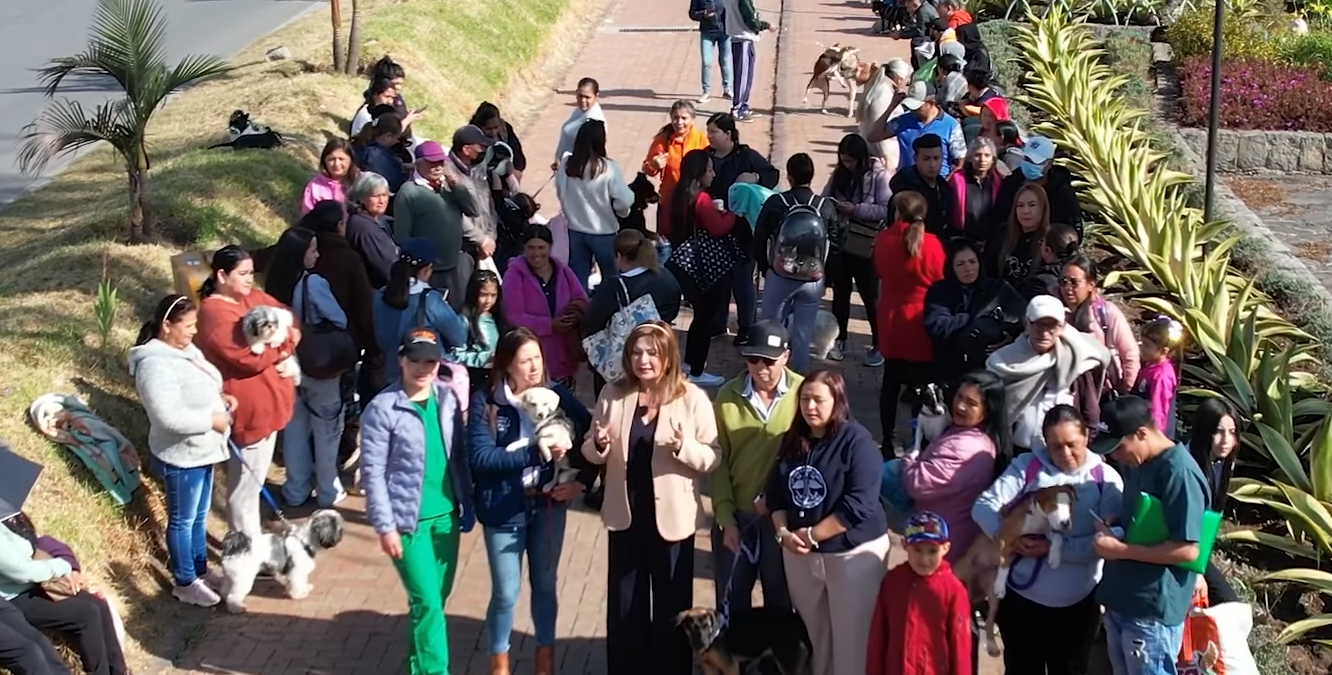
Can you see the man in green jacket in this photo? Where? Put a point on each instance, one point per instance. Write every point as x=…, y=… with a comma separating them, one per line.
x=753, y=413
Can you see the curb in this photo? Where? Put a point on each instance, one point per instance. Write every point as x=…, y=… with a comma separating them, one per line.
x=782, y=68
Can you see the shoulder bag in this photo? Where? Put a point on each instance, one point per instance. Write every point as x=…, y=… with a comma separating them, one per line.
x=325, y=350
x=605, y=348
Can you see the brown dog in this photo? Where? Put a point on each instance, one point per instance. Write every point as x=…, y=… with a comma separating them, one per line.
x=984, y=569
x=840, y=63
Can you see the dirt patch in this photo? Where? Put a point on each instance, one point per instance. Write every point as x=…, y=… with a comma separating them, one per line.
x=1256, y=193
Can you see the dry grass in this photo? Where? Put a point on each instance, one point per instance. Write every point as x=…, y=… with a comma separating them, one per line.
x=455, y=55
x=1257, y=193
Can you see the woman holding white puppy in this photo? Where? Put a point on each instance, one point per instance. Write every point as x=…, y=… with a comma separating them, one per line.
x=264, y=398
x=519, y=510
x=656, y=433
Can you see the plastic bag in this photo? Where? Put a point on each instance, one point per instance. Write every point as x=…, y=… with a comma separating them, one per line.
x=1216, y=639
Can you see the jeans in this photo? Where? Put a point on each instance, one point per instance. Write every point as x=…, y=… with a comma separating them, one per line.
x=801, y=300
x=542, y=538
x=584, y=248
x=427, y=568
x=1139, y=647
x=757, y=533
x=745, y=294
x=244, y=482
x=722, y=45
x=310, y=443
x=189, y=494
x=743, y=53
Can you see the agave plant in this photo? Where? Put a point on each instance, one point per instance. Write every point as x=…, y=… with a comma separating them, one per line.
x=127, y=45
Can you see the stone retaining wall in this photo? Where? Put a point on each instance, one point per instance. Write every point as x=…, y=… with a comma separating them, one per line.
x=1285, y=151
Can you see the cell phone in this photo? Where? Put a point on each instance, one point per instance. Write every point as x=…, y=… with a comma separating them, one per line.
x=1098, y=518
x=420, y=110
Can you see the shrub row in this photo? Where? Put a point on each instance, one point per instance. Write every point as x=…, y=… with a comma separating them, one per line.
x=1256, y=95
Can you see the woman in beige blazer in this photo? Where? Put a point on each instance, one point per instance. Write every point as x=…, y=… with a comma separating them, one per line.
x=656, y=433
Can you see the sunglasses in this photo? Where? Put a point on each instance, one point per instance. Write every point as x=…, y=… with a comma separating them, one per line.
x=759, y=359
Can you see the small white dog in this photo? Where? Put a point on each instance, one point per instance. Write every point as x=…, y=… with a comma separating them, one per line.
x=552, y=429
x=288, y=553
x=266, y=327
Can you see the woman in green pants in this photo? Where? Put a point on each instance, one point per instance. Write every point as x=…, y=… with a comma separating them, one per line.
x=418, y=491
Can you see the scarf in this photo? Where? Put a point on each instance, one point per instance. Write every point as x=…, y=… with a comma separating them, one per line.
x=1027, y=375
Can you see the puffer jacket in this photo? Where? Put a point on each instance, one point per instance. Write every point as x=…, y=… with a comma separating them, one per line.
x=181, y=391
x=393, y=453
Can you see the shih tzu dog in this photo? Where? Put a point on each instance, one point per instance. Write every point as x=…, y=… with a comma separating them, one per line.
x=266, y=327
x=289, y=553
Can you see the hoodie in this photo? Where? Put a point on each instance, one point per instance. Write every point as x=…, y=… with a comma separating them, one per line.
x=742, y=20
x=1099, y=490
x=180, y=391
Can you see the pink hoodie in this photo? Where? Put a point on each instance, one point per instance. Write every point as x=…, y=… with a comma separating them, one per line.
x=1119, y=339
x=948, y=477
x=525, y=305
x=319, y=188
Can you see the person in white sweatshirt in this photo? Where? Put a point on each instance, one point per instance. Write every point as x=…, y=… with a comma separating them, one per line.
x=586, y=107
x=1049, y=616
x=187, y=426
x=593, y=197
x=744, y=26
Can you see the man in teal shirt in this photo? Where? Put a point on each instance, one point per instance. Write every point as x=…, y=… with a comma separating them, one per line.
x=1146, y=596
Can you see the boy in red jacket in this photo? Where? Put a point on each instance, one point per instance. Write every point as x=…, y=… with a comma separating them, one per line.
x=922, y=620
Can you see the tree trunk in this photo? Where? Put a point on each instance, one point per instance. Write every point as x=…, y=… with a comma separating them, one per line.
x=339, y=65
x=138, y=215
x=354, y=40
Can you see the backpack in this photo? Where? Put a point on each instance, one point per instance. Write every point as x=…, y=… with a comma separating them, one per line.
x=799, y=248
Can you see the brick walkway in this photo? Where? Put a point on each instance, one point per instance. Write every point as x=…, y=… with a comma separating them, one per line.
x=354, y=621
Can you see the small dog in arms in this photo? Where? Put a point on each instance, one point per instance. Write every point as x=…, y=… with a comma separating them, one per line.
x=289, y=553
x=552, y=429
x=268, y=328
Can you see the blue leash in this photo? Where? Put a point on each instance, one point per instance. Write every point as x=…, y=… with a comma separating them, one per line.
x=746, y=552
x=263, y=487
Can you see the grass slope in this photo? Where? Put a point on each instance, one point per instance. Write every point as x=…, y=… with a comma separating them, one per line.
x=58, y=240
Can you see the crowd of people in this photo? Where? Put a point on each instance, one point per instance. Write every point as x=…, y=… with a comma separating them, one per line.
x=457, y=299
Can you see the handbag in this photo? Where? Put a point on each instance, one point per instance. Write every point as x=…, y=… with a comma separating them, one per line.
x=605, y=348
x=704, y=260
x=325, y=351
x=858, y=237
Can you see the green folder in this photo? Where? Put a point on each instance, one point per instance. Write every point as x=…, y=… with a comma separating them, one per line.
x=1148, y=528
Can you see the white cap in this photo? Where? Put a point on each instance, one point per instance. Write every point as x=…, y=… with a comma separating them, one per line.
x=1045, y=307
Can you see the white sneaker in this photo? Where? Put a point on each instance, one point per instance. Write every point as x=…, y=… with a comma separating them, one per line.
x=873, y=358
x=838, y=351
x=214, y=580
x=704, y=98
x=706, y=380
x=197, y=593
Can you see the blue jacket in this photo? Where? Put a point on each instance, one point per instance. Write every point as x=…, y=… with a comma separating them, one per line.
x=709, y=26
x=393, y=459
x=497, y=473
x=840, y=476
x=391, y=324
x=381, y=160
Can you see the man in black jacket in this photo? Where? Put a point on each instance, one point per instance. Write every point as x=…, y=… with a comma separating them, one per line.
x=712, y=37
x=923, y=177
x=1038, y=167
x=796, y=291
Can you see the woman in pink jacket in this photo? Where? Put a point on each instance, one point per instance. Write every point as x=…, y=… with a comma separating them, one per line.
x=1092, y=314
x=959, y=465
x=543, y=295
x=337, y=172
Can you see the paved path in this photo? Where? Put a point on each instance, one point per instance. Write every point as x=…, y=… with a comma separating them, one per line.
x=32, y=33
x=1296, y=209
x=354, y=622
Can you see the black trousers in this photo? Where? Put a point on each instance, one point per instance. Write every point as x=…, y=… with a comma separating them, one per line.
x=1219, y=590
x=1040, y=640
x=896, y=375
x=651, y=581
x=87, y=621
x=859, y=271
x=24, y=650
x=699, y=338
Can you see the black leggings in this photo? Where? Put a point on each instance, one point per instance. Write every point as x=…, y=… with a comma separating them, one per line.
x=1040, y=640
x=897, y=374
x=699, y=337
x=24, y=650
x=860, y=271
x=86, y=619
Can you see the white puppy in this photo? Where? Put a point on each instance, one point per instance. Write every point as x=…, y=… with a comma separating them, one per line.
x=551, y=428
x=267, y=327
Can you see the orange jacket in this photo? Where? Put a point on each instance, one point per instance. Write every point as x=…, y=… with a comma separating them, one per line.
x=959, y=17
x=675, y=147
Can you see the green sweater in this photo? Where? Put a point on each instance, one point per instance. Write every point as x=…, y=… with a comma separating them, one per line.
x=419, y=211
x=748, y=446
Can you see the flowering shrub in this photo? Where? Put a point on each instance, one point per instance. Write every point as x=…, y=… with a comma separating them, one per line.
x=1256, y=95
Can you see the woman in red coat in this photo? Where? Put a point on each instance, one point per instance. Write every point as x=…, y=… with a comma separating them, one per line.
x=908, y=259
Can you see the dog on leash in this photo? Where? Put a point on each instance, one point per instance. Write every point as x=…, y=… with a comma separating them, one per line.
x=289, y=552
x=757, y=640
x=551, y=428
x=842, y=64
x=933, y=418
x=267, y=328
x=644, y=194
x=1046, y=512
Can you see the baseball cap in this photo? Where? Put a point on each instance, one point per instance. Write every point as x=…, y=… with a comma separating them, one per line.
x=471, y=135
x=421, y=344
x=1121, y=417
x=431, y=151
x=1046, y=307
x=418, y=251
x=926, y=527
x=918, y=94
x=766, y=340
x=1038, y=150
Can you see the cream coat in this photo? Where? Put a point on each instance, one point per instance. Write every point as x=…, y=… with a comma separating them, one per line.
x=674, y=474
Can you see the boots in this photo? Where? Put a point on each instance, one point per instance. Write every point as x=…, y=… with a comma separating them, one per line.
x=545, y=661
x=499, y=664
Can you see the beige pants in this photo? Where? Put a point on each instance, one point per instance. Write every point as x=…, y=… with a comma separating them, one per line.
x=834, y=593
x=244, y=483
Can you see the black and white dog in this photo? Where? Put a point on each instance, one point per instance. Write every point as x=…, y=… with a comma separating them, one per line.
x=243, y=133
x=933, y=418
x=289, y=553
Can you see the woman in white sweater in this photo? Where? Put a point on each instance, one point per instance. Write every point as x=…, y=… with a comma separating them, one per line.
x=586, y=107
x=593, y=196
x=188, y=419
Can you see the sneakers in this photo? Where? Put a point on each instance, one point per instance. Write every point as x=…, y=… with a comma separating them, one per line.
x=214, y=579
x=707, y=380
x=197, y=593
x=726, y=95
x=704, y=98
x=838, y=351
x=873, y=358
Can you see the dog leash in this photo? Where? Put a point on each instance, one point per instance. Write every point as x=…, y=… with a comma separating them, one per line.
x=543, y=186
x=1031, y=581
x=746, y=552
x=263, y=488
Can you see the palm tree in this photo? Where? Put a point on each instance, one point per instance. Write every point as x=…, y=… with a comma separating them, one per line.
x=127, y=45
x=354, y=40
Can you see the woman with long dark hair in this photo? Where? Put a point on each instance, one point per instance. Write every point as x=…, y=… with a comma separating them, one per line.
x=375, y=149
x=859, y=189
x=676, y=139
x=264, y=398
x=337, y=172
x=187, y=424
x=972, y=191
x=593, y=197
x=483, y=312
x=1015, y=249
x=487, y=118
x=823, y=497
x=381, y=92
x=968, y=314
x=408, y=301
x=1214, y=443
x=694, y=210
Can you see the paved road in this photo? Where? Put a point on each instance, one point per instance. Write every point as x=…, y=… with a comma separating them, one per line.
x=34, y=31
